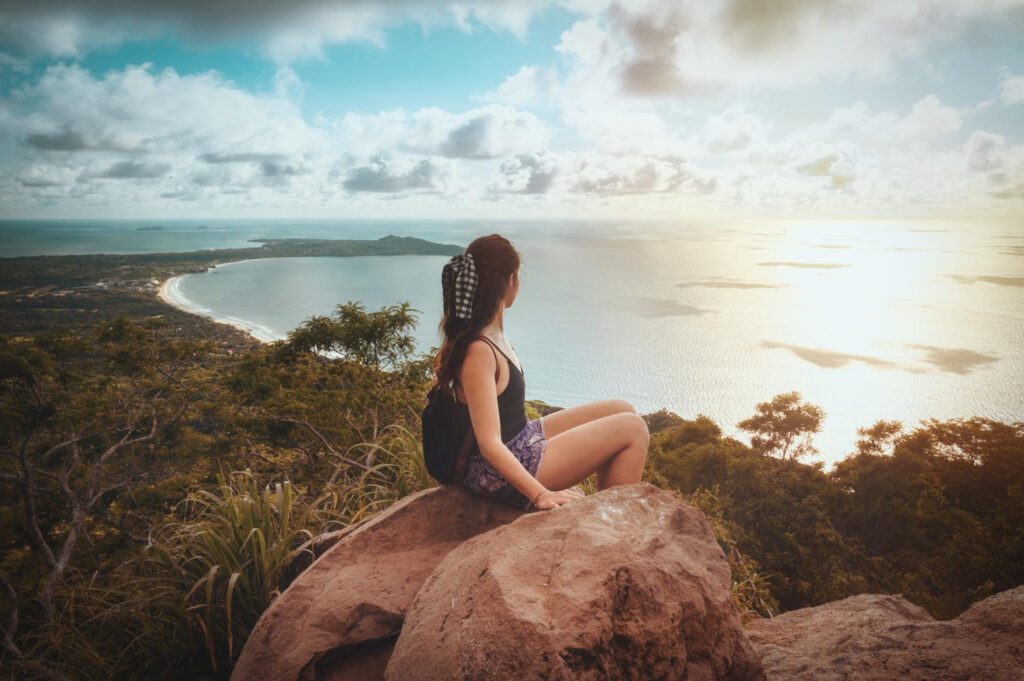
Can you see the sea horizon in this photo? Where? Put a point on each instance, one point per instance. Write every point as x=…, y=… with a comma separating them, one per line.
x=711, y=320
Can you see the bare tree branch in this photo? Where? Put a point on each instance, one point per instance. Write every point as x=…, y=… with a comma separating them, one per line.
x=12, y=619
x=317, y=433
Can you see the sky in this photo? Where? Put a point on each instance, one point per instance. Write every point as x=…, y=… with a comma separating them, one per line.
x=711, y=109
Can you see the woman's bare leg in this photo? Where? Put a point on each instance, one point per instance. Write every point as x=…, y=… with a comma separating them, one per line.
x=614, y=445
x=562, y=420
x=571, y=417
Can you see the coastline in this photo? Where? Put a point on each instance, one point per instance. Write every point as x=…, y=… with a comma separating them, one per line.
x=170, y=293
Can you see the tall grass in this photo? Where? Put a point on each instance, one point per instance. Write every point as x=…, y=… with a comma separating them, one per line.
x=185, y=605
x=387, y=471
x=751, y=592
x=228, y=553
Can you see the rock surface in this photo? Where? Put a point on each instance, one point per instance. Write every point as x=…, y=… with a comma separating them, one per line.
x=628, y=583
x=880, y=638
x=340, y=616
x=304, y=556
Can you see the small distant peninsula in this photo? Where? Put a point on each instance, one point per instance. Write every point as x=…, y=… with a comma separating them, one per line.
x=44, y=291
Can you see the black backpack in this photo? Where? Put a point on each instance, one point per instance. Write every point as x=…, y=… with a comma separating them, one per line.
x=444, y=447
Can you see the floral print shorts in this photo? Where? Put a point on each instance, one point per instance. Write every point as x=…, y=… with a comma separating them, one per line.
x=528, y=447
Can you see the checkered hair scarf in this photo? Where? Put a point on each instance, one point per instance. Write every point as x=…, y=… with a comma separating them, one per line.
x=461, y=272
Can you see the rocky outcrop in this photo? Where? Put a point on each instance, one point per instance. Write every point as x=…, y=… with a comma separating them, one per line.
x=304, y=556
x=880, y=638
x=339, y=618
x=628, y=583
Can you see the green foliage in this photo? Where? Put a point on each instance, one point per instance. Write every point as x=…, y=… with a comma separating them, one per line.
x=751, y=591
x=113, y=576
x=227, y=553
x=661, y=419
x=378, y=339
x=784, y=426
x=935, y=514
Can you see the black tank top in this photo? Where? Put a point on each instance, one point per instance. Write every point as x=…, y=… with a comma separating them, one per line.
x=511, y=406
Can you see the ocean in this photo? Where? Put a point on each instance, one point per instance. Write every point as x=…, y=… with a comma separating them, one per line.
x=868, y=320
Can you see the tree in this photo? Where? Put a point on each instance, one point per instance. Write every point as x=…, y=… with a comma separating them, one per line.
x=80, y=421
x=879, y=437
x=377, y=339
x=784, y=426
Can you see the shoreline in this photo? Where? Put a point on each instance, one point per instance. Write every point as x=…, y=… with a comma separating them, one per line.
x=170, y=294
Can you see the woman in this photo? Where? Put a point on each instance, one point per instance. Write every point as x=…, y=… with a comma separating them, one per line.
x=529, y=462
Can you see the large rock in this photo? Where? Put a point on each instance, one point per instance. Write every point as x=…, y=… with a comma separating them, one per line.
x=339, y=618
x=880, y=638
x=628, y=583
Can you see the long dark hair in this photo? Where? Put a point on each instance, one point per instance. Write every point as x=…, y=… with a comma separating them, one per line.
x=495, y=259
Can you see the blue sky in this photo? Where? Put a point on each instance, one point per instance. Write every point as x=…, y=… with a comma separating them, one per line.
x=723, y=108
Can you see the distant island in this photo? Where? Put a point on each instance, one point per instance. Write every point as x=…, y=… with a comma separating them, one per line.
x=44, y=291
x=152, y=228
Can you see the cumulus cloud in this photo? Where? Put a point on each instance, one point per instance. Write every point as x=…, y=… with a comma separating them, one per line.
x=832, y=167
x=623, y=132
x=199, y=137
x=1011, y=89
x=487, y=133
x=651, y=102
x=529, y=174
x=141, y=111
x=529, y=85
x=633, y=175
x=288, y=31
x=928, y=118
x=984, y=150
x=732, y=129
x=244, y=157
x=42, y=175
x=129, y=170
x=64, y=140
x=657, y=48
x=546, y=172
x=384, y=174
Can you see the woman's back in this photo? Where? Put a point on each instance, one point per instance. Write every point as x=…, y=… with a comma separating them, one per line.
x=511, y=403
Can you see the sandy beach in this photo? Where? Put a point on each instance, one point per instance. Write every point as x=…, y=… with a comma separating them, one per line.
x=170, y=293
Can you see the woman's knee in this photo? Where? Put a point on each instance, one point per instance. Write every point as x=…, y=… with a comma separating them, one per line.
x=620, y=405
x=642, y=432
x=634, y=427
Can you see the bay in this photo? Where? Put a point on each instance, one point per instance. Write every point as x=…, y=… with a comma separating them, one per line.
x=869, y=321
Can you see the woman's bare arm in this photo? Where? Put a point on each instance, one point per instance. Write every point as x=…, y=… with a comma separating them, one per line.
x=477, y=378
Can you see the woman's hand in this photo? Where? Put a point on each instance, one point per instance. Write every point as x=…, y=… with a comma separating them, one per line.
x=549, y=499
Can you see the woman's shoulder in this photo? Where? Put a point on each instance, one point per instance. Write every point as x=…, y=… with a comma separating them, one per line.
x=479, y=348
x=479, y=353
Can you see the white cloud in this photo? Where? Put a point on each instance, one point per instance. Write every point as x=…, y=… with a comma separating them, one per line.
x=1011, y=89
x=11, y=63
x=734, y=128
x=546, y=172
x=138, y=111
x=528, y=174
x=287, y=84
x=984, y=150
x=659, y=48
x=529, y=85
x=388, y=175
x=287, y=31
x=928, y=118
x=624, y=132
x=635, y=175
x=490, y=132
x=137, y=137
